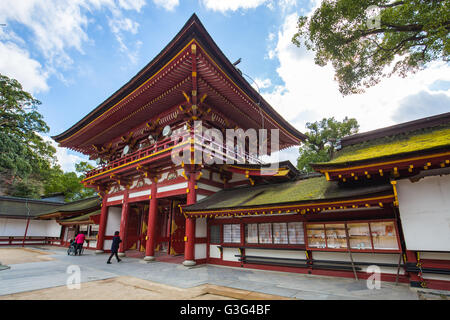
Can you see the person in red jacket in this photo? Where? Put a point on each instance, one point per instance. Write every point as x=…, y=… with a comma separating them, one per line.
x=79, y=239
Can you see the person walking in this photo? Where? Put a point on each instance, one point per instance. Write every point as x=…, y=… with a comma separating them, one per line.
x=115, y=247
x=79, y=241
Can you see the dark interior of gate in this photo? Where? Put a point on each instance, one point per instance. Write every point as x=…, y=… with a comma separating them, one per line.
x=170, y=228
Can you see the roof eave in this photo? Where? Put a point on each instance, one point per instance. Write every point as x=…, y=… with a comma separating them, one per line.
x=193, y=29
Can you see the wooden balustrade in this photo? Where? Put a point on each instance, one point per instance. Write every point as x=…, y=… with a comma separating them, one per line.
x=220, y=150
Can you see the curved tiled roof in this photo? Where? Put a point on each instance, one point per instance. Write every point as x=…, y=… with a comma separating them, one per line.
x=314, y=189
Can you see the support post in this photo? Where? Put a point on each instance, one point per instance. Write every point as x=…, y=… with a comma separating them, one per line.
x=151, y=225
x=25, y=234
x=189, y=255
x=124, y=224
x=102, y=226
x=414, y=278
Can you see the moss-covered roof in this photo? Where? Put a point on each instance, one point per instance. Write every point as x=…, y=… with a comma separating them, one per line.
x=22, y=207
x=84, y=217
x=401, y=144
x=75, y=206
x=302, y=190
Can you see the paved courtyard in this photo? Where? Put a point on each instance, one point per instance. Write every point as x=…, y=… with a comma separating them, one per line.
x=46, y=278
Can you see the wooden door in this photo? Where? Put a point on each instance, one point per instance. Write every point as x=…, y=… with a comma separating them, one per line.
x=177, y=231
x=134, y=228
x=144, y=228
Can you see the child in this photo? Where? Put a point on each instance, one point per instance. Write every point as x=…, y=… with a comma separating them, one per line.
x=115, y=247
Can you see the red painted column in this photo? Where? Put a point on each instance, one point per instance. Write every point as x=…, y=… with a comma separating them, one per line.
x=151, y=226
x=124, y=224
x=189, y=252
x=102, y=226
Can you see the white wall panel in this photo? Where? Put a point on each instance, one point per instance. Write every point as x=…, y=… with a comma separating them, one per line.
x=425, y=213
x=214, y=251
x=200, y=250
x=200, y=228
x=113, y=220
x=36, y=228
x=229, y=254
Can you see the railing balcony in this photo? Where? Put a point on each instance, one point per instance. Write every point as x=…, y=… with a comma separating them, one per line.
x=223, y=153
x=135, y=156
x=220, y=151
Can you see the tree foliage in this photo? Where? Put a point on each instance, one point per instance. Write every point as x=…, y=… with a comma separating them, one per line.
x=28, y=165
x=68, y=182
x=323, y=138
x=365, y=43
x=23, y=152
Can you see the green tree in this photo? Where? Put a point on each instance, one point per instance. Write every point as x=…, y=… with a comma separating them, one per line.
x=28, y=165
x=23, y=152
x=55, y=180
x=365, y=44
x=323, y=138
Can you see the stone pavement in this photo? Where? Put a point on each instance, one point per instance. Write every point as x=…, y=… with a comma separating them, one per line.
x=47, y=274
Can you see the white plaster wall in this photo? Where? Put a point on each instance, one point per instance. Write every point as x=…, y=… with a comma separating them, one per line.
x=200, y=251
x=214, y=251
x=425, y=213
x=435, y=255
x=50, y=228
x=110, y=199
x=64, y=236
x=107, y=244
x=36, y=228
x=200, y=228
x=200, y=197
x=172, y=187
x=139, y=193
x=92, y=244
x=113, y=221
x=436, y=276
x=291, y=254
x=229, y=254
x=12, y=227
x=362, y=257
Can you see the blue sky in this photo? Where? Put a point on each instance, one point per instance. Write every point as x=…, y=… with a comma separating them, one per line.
x=73, y=54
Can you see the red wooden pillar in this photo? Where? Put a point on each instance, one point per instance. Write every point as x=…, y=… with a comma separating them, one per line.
x=124, y=224
x=189, y=252
x=151, y=226
x=102, y=226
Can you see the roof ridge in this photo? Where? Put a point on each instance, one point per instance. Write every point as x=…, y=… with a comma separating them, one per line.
x=400, y=128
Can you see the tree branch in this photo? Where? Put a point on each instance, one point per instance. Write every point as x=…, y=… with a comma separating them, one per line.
x=398, y=3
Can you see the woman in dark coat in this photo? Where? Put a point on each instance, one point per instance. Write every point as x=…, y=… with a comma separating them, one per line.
x=115, y=247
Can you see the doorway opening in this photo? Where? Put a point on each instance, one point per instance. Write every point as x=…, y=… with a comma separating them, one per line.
x=170, y=230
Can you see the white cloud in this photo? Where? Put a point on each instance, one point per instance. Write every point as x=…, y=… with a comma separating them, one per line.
x=118, y=25
x=309, y=92
x=422, y=104
x=56, y=25
x=123, y=24
x=21, y=67
x=169, y=5
x=66, y=158
x=260, y=84
x=55, y=28
x=232, y=5
x=133, y=4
